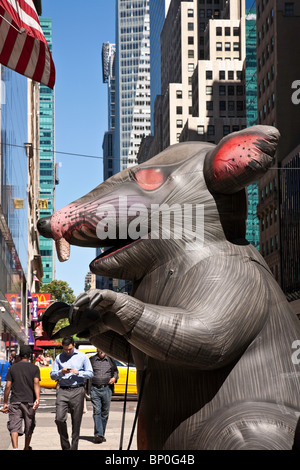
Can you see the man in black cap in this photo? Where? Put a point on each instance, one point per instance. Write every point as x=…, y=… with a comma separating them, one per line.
x=23, y=381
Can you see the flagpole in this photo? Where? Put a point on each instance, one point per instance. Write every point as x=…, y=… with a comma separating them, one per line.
x=18, y=30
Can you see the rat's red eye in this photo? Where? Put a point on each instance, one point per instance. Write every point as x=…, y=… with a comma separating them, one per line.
x=149, y=179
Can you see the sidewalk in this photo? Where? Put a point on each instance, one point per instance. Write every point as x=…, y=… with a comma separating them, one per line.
x=45, y=436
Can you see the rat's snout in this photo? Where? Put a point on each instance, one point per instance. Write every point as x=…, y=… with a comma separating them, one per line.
x=44, y=227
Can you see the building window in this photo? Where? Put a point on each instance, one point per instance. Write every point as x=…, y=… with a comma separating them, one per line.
x=239, y=75
x=219, y=31
x=200, y=130
x=190, y=13
x=211, y=130
x=227, y=31
x=226, y=130
x=190, y=40
x=222, y=105
x=222, y=90
x=179, y=123
x=190, y=67
x=289, y=9
x=222, y=75
x=178, y=93
x=227, y=46
x=191, y=53
x=190, y=26
x=209, y=105
x=178, y=109
x=209, y=75
x=230, y=75
x=209, y=90
x=218, y=46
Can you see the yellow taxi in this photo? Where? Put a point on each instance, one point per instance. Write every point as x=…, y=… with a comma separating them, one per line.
x=120, y=386
x=46, y=381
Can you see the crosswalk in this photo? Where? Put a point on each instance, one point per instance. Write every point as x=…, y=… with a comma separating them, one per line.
x=47, y=401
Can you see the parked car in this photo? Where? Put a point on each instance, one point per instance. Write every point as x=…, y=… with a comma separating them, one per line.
x=120, y=386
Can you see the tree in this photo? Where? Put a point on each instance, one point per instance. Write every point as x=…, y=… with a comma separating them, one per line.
x=60, y=291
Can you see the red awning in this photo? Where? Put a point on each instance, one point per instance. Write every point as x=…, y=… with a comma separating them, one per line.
x=45, y=342
x=41, y=343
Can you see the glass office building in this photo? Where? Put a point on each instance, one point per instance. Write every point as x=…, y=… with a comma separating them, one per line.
x=158, y=12
x=252, y=234
x=13, y=210
x=132, y=79
x=48, y=177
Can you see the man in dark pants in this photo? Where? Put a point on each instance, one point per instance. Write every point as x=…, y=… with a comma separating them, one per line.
x=102, y=384
x=71, y=368
x=23, y=382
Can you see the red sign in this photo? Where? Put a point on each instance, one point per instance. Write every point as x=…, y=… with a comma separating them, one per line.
x=44, y=299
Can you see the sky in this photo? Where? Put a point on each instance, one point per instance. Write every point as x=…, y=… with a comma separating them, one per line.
x=79, y=30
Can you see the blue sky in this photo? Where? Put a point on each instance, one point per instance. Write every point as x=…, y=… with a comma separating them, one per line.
x=79, y=30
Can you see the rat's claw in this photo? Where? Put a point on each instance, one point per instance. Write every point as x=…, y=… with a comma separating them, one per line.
x=55, y=312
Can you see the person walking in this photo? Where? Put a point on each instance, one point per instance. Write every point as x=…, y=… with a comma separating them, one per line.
x=23, y=382
x=4, y=366
x=71, y=368
x=102, y=386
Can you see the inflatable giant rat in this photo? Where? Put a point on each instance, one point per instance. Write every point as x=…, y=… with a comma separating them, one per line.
x=207, y=326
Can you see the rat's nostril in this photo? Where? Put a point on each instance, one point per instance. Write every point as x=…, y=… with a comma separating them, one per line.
x=44, y=227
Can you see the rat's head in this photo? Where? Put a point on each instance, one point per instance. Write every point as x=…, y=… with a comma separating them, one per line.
x=191, y=192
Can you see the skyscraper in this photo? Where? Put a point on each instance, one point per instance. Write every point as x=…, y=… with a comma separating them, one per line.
x=132, y=79
x=158, y=12
x=48, y=177
x=278, y=64
x=111, y=164
x=202, y=72
x=252, y=233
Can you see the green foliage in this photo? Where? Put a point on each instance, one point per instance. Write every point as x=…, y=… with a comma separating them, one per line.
x=60, y=291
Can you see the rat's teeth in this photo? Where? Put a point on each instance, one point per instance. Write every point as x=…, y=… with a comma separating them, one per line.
x=62, y=249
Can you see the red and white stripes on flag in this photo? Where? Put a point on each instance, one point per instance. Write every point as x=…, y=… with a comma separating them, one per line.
x=23, y=47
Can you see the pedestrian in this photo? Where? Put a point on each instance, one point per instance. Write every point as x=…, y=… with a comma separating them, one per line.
x=13, y=358
x=71, y=368
x=4, y=366
x=23, y=382
x=102, y=387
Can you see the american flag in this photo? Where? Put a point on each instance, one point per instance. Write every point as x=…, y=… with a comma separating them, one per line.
x=35, y=278
x=23, y=47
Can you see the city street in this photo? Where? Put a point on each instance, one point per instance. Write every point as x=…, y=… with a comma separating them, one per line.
x=46, y=437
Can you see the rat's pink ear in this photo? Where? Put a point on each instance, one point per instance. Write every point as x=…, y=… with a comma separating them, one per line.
x=240, y=159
